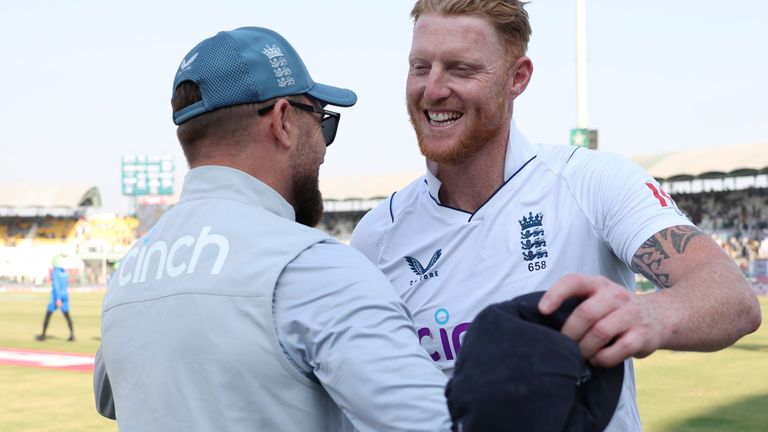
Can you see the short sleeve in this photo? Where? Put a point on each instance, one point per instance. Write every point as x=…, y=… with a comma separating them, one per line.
x=368, y=232
x=623, y=202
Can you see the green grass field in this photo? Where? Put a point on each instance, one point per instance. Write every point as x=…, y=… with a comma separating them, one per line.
x=686, y=392
x=42, y=400
x=722, y=391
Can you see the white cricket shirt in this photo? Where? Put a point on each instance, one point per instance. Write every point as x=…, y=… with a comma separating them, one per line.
x=562, y=209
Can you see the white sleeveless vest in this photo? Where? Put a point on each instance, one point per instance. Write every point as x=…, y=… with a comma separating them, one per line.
x=188, y=337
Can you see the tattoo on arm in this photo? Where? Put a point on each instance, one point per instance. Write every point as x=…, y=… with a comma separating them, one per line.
x=648, y=259
x=654, y=251
x=681, y=236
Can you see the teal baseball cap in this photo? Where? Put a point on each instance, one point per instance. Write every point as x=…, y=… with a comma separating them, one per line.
x=249, y=65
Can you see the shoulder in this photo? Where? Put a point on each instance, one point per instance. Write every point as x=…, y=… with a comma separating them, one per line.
x=567, y=160
x=381, y=218
x=556, y=157
x=265, y=222
x=309, y=232
x=337, y=265
x=332, y=254
x=400, y=201
x=581, y=167
x=597, y=161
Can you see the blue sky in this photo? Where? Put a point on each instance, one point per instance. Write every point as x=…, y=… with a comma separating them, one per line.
x=87, y=81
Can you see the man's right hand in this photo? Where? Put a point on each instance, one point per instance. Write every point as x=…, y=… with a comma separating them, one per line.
x=611, y=324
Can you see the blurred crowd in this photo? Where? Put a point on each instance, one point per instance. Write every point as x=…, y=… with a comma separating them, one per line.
x=737, y=220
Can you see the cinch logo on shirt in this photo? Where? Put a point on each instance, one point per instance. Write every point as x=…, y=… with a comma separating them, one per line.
x=420, y=270
x=166, y=263
x=448, y=345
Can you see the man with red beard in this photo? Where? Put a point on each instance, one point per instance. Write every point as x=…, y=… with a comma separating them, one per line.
x=233, y=313
x=496, y=217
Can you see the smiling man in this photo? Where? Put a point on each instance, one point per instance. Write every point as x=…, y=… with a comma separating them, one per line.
x=496, y=217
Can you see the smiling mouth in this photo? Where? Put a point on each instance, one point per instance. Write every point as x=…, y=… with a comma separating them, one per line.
x=442, y=118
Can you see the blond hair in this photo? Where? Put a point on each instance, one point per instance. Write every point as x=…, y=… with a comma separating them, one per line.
x=508, y=17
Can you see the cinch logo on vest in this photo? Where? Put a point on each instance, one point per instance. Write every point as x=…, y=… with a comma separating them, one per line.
x=447, y=346
x=421, y=271
x=163, y=259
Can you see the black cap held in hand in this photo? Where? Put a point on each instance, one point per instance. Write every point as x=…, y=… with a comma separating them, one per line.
x=517, y=372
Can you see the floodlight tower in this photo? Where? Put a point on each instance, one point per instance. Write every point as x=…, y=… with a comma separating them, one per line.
x=582, y=114
x=581, y=135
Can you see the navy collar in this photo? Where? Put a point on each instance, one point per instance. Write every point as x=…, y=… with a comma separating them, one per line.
x=519, y=152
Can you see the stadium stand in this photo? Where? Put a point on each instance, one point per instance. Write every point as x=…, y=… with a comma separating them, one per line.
x=741, y=160
x=54, y=230
x=736, y=219
x=723, y=190
x=346, y=199
x=31, y=200
x=38, y=222
x=340, y=224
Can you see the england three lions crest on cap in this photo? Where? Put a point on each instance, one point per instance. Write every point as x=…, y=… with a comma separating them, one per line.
x=186, y=64
x=279, y=65
x=532, y=241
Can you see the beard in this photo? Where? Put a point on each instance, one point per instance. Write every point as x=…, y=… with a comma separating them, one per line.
x=482, y=125
x=308, y=201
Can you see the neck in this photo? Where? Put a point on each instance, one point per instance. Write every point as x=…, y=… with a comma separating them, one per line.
x=256, y=160
x=469, y=184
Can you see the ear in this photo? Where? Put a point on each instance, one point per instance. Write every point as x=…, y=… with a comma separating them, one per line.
x=283, y=125
x=520, y=76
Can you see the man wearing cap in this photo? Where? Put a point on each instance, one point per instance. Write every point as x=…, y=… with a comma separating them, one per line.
x=496, y=217
x=232, y=313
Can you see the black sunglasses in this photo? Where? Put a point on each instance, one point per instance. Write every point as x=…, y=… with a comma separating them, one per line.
x=328, y=123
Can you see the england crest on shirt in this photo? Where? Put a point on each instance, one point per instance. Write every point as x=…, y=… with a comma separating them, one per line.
x=532, y=241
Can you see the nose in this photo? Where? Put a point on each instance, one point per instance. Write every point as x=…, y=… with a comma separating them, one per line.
x=436, y=88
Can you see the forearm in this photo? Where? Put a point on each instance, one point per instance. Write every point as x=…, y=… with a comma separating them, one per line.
x=354, y=334
x=389, y=389
x=707, y=310
x=704, y=304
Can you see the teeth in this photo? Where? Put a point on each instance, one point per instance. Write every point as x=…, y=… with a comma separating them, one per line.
x=441, y=117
